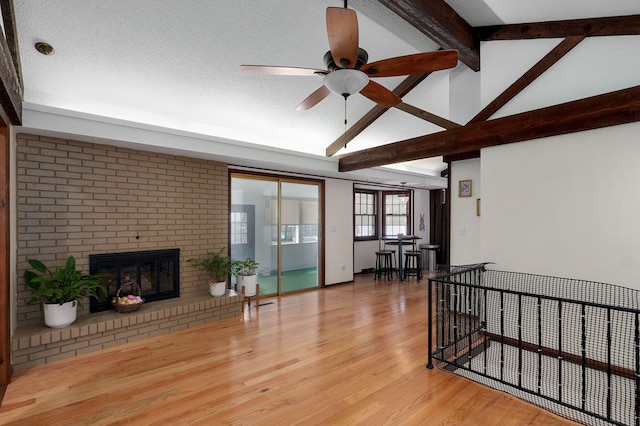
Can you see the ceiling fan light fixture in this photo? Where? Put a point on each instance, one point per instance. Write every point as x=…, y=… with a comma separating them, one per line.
x=404, y=197
x=346, y=82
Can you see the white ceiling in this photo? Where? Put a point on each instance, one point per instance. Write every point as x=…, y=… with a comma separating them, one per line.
x=176, y=64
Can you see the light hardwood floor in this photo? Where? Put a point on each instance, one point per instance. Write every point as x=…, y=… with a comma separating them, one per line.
x=347, y=354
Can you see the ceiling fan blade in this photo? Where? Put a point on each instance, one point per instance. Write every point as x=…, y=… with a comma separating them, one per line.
x=314, y=98
x=342, y=30
x=419, y=63
x=268, y=69
x=380, y=95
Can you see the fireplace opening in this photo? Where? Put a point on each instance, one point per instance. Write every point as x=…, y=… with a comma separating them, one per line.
x=156, y=271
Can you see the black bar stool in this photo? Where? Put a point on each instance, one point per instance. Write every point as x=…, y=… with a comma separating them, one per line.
x=413, y=263
x=384, y=264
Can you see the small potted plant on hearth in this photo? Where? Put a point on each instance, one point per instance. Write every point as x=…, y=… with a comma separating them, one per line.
x=245, y=273
x=60, y=292
x=218, y=267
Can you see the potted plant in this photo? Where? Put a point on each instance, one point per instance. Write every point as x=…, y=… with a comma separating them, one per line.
x=218, y=267
x=245, y=273
x=60, y=292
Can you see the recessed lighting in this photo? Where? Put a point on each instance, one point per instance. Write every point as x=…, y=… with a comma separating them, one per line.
x=44, y=48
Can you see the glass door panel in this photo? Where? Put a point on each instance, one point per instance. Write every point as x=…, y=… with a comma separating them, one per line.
x=299, y=236
x=254, y=213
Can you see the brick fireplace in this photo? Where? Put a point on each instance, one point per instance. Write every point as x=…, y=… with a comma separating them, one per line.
x=81, y=199
x=157, y=272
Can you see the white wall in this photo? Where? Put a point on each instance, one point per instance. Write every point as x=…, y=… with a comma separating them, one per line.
x=464, y=89
x=364, y=255
x=465, y=223
x=565, y=206
x=338, y=231
x=421, y=207
x=562, y=206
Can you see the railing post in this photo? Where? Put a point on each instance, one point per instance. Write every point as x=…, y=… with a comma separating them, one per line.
x=583, y=320
x=430, y=331
x=560, y=357
x=608, y=363
x=637, y=353
x=501, y=335
x=519, y=340
x=485, y=344
x=539, y=345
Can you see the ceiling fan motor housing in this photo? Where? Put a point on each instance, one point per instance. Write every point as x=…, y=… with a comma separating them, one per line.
x=363, y=57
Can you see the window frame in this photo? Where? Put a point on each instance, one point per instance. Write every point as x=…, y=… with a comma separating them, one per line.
x=408, y=211
x=375, y=214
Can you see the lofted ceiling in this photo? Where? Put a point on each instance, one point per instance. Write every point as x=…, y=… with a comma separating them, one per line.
x=176, y=65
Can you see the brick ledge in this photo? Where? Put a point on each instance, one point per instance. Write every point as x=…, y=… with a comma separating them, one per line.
x=39, y=344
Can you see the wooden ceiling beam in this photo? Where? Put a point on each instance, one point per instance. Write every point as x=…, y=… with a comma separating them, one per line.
x=611, y=26
x=610, y=109
x=438, y=21
x=427, y=116
x=11, y=89
x=407, y=85
x=527, y=78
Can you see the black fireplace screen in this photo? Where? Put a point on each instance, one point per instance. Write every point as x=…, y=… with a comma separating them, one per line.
x=156, y=271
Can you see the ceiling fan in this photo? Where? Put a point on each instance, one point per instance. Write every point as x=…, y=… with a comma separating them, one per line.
x=347, y=69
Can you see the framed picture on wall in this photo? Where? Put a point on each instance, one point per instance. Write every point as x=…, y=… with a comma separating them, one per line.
x=464, y=188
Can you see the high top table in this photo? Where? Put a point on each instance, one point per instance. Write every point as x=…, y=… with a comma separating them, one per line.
x=404, y=240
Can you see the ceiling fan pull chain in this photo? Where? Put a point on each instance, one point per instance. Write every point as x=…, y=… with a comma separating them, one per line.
x=345, y=120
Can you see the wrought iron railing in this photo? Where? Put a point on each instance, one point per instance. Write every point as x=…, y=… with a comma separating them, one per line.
x=569, y=346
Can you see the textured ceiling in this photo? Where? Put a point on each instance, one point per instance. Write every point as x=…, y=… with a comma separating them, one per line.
x=176, y=64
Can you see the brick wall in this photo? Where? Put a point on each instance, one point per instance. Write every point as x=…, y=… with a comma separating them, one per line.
x=77, y=198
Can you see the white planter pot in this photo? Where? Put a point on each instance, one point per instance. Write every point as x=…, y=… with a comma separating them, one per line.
x=217, y=289
x=60, y=316
x=249, y=283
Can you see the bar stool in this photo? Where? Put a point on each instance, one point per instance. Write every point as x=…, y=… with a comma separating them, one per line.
x=384, y=264
x=412, y=264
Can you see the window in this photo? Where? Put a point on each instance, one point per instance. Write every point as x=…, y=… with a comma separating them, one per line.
x=365, y=215
x=396, y=216
x=239, y=227
x=310, y=233
x=288, y=234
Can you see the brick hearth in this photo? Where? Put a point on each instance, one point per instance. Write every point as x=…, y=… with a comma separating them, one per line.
x=37, y=344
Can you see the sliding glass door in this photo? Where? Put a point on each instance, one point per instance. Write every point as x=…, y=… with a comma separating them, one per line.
x=277, y=221
x=299, y=235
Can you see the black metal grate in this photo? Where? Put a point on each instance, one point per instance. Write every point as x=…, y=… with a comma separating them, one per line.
x=569, y=346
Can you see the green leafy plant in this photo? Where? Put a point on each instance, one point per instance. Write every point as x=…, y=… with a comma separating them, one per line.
x=218, y=267
x=64, y=285
x=245, y=267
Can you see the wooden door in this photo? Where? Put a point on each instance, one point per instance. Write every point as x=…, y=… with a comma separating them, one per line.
x=439, y=224
x=5, y=295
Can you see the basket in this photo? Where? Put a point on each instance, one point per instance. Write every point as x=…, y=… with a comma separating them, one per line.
x=135, y=289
